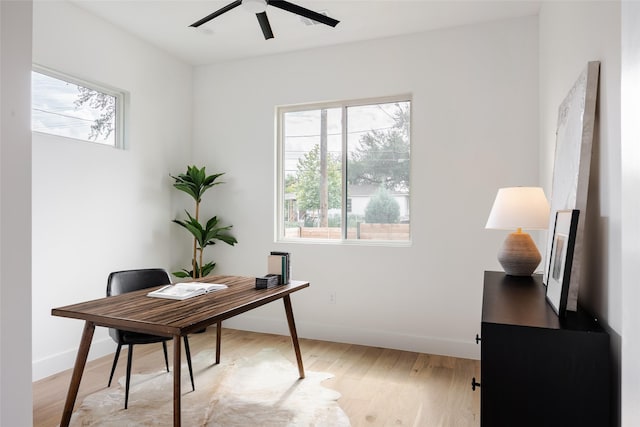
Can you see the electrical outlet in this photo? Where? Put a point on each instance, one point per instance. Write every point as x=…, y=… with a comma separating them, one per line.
x=332, y=298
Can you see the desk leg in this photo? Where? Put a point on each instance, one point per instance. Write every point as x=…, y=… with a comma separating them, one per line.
x=176, y=380
x=78, y=369
x=294, y=334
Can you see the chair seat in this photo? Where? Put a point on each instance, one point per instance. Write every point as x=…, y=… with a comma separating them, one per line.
x=128, y=337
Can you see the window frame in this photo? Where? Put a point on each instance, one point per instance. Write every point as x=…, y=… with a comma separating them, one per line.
x=120, y=96
x=279, y=232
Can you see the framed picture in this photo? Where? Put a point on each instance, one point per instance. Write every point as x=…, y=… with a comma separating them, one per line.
x=561, y=259
x=571, y=167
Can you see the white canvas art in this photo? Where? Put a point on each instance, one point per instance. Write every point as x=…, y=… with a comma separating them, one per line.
x=574, y=137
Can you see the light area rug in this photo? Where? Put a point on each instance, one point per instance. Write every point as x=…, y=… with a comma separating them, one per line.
x=260, y=390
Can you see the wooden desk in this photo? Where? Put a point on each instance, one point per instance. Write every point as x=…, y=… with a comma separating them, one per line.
x=137, y=312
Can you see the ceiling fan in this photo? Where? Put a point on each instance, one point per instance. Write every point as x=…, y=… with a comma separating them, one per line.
x=258, y=7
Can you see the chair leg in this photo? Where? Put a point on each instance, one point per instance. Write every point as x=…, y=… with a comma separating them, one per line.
x=188, y=352
x=126, y=389
x=166, y=359
x=115, y=362
x=218, y=341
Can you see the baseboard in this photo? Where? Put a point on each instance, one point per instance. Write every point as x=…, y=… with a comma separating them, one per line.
x=369, y=337
x=59, y=362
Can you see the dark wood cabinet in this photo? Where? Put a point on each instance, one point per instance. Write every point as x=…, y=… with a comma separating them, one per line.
x=537, y=369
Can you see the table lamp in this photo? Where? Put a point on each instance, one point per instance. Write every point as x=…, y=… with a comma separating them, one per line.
x=517, y=208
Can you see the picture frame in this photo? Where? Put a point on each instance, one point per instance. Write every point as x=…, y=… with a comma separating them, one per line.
x=571, y=167
x=561, y=259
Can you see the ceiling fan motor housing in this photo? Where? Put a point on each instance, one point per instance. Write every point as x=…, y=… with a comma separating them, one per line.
x=254, y=6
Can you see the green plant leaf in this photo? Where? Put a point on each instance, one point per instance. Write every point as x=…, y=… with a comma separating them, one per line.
x=195, y=182
x=208, y=268
x=195, y=228
x=212, y=223
x=213, y=233
x=182, y=274
x=229, y=240
x=188, y=274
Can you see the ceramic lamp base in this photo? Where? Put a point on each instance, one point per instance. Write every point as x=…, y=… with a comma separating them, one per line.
x=519, y=255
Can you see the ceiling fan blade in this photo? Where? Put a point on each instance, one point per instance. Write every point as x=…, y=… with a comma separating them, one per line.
x=264, y=24
x=299, y=10
x=218, y=12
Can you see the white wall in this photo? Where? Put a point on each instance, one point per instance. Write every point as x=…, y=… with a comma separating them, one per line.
x=475, y=122
x=630, y=154
x=97, y=209
x=15, y=214
x=571, y=34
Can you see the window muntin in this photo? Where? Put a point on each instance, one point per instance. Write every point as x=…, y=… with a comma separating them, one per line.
x=67, y=107
x=364, y=149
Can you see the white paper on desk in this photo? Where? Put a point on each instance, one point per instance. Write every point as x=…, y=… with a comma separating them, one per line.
x=182, y=291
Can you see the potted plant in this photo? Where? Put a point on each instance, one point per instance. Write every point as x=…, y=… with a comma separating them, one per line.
x=195, y=183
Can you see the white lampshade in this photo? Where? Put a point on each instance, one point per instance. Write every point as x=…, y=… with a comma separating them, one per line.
x=519, y=208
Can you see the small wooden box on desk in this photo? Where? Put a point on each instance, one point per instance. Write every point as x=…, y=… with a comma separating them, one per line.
x=538, y=369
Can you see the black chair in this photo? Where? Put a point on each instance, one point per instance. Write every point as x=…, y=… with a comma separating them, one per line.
x=121, y=282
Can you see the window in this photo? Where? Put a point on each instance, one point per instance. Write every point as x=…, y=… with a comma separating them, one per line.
x=65, y=106
x=344, y=171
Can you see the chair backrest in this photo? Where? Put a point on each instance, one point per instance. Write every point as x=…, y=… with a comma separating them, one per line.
x=121, y=282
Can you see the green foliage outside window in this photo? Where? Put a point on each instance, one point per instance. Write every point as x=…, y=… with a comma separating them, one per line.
x=382, y=208
x=307, y=187
x=382, y=157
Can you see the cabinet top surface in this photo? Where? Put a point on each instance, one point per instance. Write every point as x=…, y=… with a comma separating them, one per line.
x=521, y=301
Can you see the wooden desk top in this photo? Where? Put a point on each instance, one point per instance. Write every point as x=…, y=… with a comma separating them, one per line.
x=135, y=311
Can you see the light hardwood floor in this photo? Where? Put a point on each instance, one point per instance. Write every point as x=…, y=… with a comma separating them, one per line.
x=379, y=387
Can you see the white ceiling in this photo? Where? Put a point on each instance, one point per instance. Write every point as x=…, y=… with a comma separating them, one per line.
x=236, y=34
